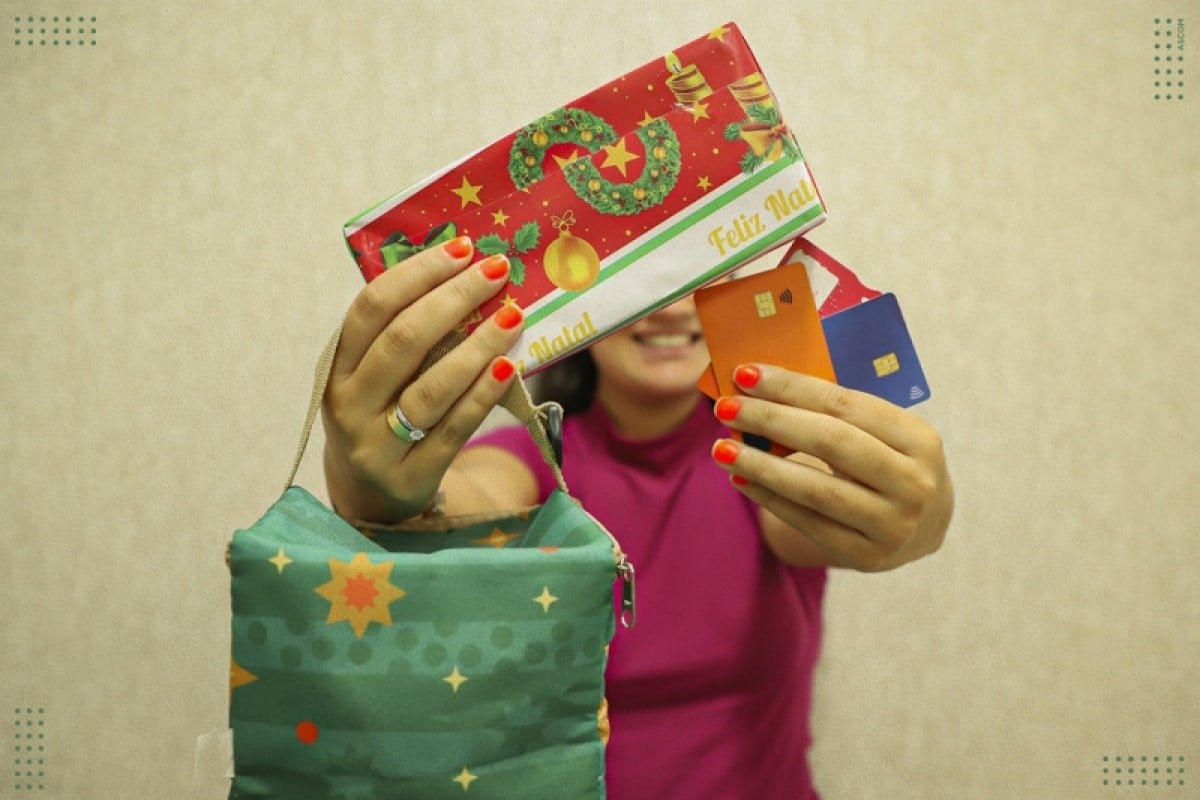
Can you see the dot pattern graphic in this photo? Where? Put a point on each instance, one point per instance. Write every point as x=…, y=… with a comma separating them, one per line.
x=1144, y=770
x=1169, y=39
x=71, y=31
x=28, y=750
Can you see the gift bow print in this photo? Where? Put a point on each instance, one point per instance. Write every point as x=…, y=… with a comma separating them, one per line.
x=564, y=222
x=398, y=246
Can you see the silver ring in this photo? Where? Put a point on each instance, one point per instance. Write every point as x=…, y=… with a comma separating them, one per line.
x=405, y=431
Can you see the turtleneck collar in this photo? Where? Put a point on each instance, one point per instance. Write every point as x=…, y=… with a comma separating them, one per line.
x=658, y=453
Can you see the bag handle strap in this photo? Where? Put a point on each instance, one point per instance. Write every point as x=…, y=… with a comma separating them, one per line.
x=538, y=419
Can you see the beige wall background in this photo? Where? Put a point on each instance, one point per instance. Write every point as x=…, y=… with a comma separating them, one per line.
x=170, y=203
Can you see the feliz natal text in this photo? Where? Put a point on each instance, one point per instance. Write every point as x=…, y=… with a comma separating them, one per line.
x=779, y=205
x=543, y=348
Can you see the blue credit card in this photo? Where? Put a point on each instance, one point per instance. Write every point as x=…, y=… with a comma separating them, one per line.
x=873, y=352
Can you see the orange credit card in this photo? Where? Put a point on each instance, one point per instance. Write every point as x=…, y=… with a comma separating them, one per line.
x=769, y=317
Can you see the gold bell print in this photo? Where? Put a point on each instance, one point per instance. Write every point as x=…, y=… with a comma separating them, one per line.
x=765, y=140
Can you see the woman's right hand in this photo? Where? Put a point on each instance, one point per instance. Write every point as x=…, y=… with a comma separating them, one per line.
x=372, y=473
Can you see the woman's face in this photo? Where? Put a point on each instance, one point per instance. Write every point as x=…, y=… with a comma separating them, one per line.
x=656, y=358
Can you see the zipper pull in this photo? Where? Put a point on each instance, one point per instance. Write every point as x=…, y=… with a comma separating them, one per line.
x=628, y=592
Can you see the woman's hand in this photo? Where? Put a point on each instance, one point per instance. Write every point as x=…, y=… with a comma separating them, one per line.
x=867, y=483
x=373, y=473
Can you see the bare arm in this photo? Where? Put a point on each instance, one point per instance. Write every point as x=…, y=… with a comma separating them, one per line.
x=487, y=478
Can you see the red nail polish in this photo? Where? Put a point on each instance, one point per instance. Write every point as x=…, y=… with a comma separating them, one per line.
x=739, y=480
x=727, y=408
x=509, y=317
x=725, y=452
x=459, y=248
x=494, y=267
x=502, y=369
x=746, y=376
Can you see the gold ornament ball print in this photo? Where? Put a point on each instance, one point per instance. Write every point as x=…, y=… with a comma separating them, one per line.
x=571, y=263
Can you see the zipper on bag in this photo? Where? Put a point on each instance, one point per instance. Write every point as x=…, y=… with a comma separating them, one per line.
x=628, y=591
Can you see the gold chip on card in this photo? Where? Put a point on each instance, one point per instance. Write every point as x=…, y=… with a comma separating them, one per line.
x=886, y=365
x=764, y=303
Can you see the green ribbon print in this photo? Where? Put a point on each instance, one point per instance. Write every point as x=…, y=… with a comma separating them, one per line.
x=398, y=247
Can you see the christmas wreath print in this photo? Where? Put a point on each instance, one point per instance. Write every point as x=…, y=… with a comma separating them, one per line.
x=576, y=126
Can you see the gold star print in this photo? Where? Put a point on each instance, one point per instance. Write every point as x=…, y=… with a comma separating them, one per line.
x=545, y=599
x=359, y=593
x=239, y=675
x=646, y=120
x=465, y=778
x=509, y=300
x=499, y=217
x=280, y=560
x=455, y=679
x=602, y=725
x=468, y=193
x=497, y=538
x=699, y=112
x=617, y=156
x=562, y=162
x=718, y=33
x=704, y=183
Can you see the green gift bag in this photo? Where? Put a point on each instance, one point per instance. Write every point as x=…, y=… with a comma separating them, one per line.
x=454, y=657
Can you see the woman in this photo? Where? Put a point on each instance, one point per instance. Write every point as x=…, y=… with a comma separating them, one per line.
x=710, y=695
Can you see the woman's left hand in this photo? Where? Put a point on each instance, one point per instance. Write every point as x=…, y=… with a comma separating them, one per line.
x=867, y=483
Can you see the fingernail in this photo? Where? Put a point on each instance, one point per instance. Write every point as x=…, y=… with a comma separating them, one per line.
x=503, y=369
x=509, y=317
x=727, y=408
x=494, y=267
x=739, y=480
x=725, y=452
x=746, y=376
x=458, y=248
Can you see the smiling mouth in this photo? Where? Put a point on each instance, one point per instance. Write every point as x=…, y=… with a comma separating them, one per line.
x=667, y=339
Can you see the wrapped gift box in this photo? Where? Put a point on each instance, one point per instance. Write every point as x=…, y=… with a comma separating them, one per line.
x=617, y=203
